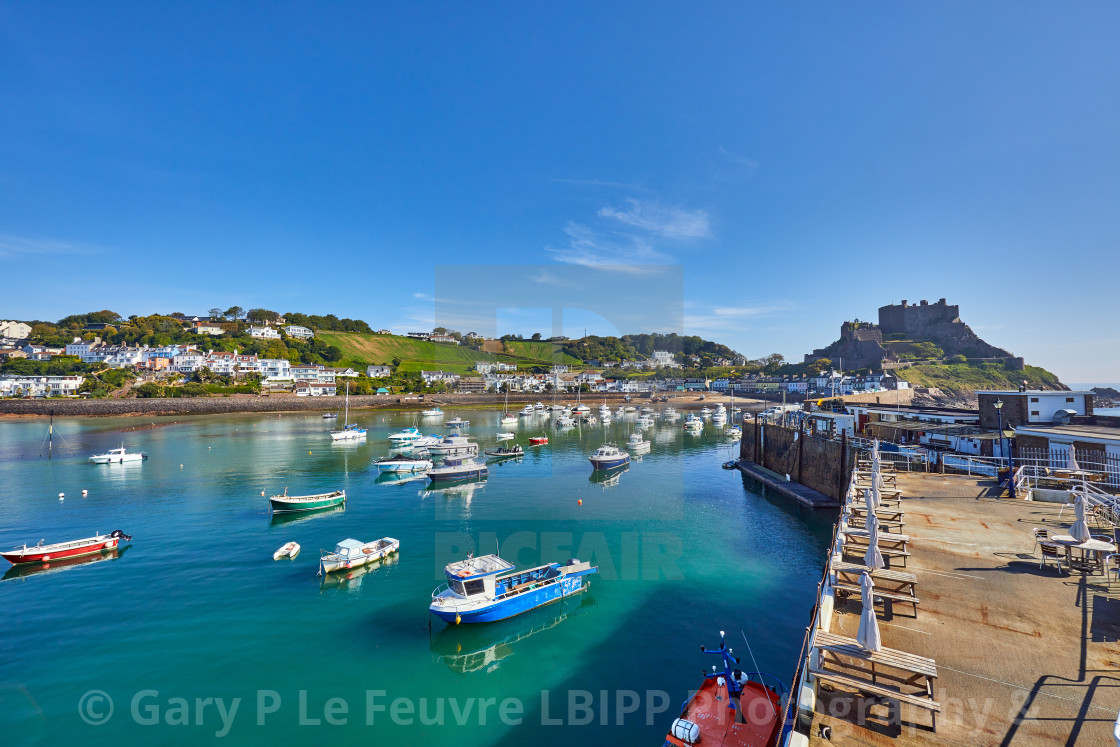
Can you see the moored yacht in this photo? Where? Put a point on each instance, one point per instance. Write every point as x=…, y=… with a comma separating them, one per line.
x=637, y=444
x=608, y=456
x=118, y=456
x=458, y=468
x=454, y=446
x=407, y=436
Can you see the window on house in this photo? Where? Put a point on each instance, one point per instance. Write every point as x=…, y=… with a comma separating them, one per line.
x=1034, y=399
x=1069, y=399
x=1034, y=413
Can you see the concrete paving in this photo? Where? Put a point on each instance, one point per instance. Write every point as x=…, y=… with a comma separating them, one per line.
x=1025, y=656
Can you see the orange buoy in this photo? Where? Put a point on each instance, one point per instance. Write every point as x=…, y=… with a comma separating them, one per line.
x=580, y=501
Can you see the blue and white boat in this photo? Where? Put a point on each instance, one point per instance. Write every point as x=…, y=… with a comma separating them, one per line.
x=402, y=463
x=407, y=436
x=609, y=456
x=455, y=468
x=483, y=589
x=457, y=423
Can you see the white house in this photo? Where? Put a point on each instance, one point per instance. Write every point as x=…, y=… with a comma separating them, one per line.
x=205, y=328
x=39, y=386
x=80, y=347
x=15, y=330
x=188, y=361
x=41, y=352
x=264, y=333
x=298, y=332
x=275, y=369
x=315, y=389
x=433, y=377
x=662, y=358
x=318, y=374
x=378, y=372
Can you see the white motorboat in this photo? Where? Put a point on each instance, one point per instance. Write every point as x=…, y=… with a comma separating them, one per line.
x=422, y=443
x=605, y=418
x=608, y=456
x=434, y=412
x=565, y=421
x=693, y=422
x=526, y=411
x=538, y=406
x=350, y=431
x=402, y=463
x=454, y=446
x=506, y=436
x=603, y=408
x=735, y=433
x=407, y=436
x=508, y=419
x=719, y=418
x=637, y=443
x=457, y=423
x=118, y=456
x=350, y=553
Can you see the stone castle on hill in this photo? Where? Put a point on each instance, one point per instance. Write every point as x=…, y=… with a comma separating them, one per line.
x=891, y=343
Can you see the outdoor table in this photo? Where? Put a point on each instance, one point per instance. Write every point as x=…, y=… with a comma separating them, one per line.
x=890, y=518
x=1094, y=546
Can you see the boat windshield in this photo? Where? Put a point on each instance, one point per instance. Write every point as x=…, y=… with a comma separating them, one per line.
x=468, y=588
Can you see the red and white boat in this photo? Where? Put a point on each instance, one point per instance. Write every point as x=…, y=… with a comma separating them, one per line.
x=732, y=708
x=41, y=553
x=538, y=440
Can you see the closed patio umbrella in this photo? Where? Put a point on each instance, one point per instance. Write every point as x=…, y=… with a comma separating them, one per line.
x=1071, y=464
x=868, y=635
x=1080, y=530
x=873, y=558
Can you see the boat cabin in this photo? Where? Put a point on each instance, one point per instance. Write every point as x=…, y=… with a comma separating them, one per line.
x=475, y=575
x=348, y=548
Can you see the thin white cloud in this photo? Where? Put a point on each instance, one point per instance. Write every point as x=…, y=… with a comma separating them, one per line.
x=624, y=252
x=21, y=246
x=669, y=222
x=745, y=162
x=724, y=319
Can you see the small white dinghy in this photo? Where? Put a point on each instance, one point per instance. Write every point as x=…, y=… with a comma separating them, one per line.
x=288, y=550
x=350, y=553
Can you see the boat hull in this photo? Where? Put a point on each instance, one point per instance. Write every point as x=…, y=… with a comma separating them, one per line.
x=609, y=462
x=404, y=466
x=116, y=459
x=47, y=554
x=280, y=504
x=464, y=474
x=347, y=435
x=507, y=608
x=328, y=565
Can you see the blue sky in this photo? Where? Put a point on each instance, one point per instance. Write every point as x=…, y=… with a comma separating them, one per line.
x=763, y=171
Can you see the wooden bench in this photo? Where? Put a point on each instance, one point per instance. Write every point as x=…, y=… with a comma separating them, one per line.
x=885, y=573
x=858, y=520
x=879, y=593
x=880, y=691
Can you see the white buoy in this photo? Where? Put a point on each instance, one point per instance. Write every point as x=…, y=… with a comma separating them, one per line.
x=61, y=496
x=85, y=493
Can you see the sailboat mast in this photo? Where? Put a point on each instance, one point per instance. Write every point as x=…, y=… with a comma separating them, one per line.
x=50, y=437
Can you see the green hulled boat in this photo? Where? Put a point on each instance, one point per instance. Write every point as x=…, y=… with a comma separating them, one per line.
x=315, y=502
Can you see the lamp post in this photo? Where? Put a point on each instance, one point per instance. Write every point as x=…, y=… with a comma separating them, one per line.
x=1006, y=450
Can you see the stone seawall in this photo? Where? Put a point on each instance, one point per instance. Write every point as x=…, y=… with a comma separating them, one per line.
x=250, y=403
x=818, y=463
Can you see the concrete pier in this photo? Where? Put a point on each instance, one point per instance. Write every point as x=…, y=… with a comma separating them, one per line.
x=1025, y=655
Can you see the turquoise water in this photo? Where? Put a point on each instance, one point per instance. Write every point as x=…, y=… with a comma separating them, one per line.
x=196, y=608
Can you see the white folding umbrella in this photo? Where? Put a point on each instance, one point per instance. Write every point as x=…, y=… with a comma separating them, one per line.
x=1080, y=530
x=868, y=635
x=1071, y=464
x=873, y=558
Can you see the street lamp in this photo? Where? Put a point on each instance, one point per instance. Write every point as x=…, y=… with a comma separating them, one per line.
x=1006, y=450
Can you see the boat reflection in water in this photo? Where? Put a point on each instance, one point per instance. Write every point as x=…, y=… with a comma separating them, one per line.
x=351, y=581
x=399, y=478
x=608, y=478
x=293, y=517
x=458, y=489
x=23, y=570
x=481, y=648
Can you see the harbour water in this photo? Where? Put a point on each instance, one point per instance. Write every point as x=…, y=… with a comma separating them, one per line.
x=195, y=608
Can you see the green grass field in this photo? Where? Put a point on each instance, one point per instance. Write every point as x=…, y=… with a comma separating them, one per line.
x=548, y=352
x=417, y=355
x=957, y=377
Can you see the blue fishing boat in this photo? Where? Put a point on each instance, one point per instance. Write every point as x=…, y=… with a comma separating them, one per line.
x=609, y=456
x=487, y=588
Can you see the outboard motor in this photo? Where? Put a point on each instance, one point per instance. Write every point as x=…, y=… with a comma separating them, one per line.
x=121, y=535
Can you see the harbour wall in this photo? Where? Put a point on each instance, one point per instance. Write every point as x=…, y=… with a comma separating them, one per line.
x=825, y=465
